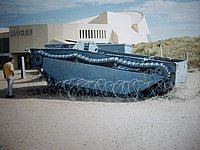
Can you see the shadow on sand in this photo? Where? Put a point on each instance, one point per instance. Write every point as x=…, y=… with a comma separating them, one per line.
x=26, y=92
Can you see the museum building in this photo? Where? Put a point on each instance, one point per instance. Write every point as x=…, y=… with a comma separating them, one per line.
x=109, y=27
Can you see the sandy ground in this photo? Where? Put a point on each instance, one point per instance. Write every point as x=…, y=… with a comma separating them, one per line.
x=32, y=122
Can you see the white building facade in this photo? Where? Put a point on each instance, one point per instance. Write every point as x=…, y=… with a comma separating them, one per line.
x=110, y=27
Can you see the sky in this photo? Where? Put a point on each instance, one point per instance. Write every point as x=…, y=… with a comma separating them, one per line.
x=165, y=18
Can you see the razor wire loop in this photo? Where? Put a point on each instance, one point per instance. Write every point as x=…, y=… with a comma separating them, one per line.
x=102, y=89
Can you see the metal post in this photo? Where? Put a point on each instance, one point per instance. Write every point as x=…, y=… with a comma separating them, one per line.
x=148, y=52
x=186, y=55
x=22, y=68
x=161, y=48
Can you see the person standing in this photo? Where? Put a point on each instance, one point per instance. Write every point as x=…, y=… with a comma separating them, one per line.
x=8, y=71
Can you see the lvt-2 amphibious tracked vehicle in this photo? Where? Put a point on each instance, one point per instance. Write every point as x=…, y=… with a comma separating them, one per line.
x=86, y=69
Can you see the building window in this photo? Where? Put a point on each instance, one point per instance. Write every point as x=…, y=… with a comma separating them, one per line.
x=95, y=34
x=91, y=34
x=80, y=34
x=4, y=45
x=100, y=34
x=86, y=34
x=83, y=34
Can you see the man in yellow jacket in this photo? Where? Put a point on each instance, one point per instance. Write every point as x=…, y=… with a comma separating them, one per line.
x=8, y=71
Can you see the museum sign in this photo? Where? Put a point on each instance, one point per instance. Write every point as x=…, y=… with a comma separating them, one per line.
x=21, y=32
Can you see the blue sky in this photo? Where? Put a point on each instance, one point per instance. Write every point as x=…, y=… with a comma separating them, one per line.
x=165, y=18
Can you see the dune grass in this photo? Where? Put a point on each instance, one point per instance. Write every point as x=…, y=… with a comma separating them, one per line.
x=174, y=48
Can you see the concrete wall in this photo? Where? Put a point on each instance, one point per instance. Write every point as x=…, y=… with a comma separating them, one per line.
x=54, y=32
x=122, y=27
x=70, y=32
